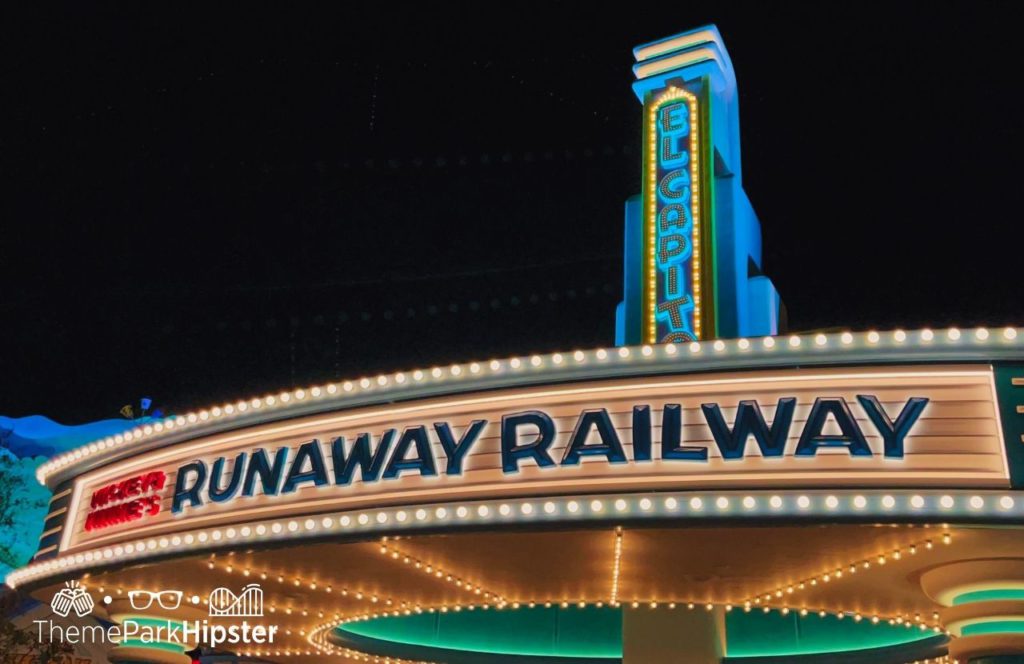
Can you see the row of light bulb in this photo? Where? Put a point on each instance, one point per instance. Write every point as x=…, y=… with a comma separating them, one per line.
x=297, y=400
x=616, y=565
x=387, y=548
x=658, y=506
x=850, y=569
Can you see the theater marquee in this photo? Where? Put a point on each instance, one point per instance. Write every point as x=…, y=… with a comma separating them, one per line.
x=922, y=426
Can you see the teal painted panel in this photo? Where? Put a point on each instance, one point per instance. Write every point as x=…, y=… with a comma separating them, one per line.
x=772, y=634
x=1010, y=397
x=569, y=632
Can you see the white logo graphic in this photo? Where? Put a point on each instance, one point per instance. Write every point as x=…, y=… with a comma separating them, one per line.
x=166, y=599
x=247, y=604
x=73, y=596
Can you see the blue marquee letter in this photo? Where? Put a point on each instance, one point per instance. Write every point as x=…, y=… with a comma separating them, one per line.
x=852, y=438
x=512, y=452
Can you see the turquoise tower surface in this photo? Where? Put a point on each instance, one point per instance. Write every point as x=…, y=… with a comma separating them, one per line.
x=692, y=239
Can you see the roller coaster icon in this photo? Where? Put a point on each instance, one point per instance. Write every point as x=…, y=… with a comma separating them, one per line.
x=246, y=604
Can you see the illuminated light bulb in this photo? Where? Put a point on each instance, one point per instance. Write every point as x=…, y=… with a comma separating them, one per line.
x=743, y=344
x=831, y=502
x=947, y=538
x=888, y=502
x=579, y=356
x=900, y=336
x=946, y=502
x=645, y=504
x=722, y=503
x=671, y=503
x=1009, y=334
x=573, y=506
x=775, y=502
x=768, y=342
x=953, y=334
x=504, y=510
x=495, y=365
x=526, y=508
x=549, y=507
x=977, y=502
x=536, y=361
x=461, y=512
x=441, y=513
x=696, y=503
x=803, y=502
x=846, y=338
x=981, y=334
x=873, y=337
x=820, y=339
x=860, y=502
x=620, y=505
x=483, y=510
x=601, y=354
x=719, y=345
x=794, y=341
x=749, y=502
x=695, y=347
x=670, y=349
x=1006, y=502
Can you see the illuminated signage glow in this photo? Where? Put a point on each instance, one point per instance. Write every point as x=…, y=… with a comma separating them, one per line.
x=672, y=209
x=127, y=500
x=908, y=426
x=527, y=437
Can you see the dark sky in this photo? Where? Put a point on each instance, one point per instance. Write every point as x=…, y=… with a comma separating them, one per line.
x=178, y=182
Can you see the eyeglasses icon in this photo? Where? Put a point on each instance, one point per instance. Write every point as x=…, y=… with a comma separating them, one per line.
x=143, y=599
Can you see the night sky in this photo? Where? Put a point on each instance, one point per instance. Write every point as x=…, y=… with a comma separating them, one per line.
x=205, y=202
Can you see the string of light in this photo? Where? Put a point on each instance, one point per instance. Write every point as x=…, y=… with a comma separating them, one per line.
x=811, y=505
x=616, y=566
x=388, y=549
x=296, y=581
x=801, y=348
x=846, y=571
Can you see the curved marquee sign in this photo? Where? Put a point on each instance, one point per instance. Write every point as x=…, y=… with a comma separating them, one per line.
x=908, y=425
